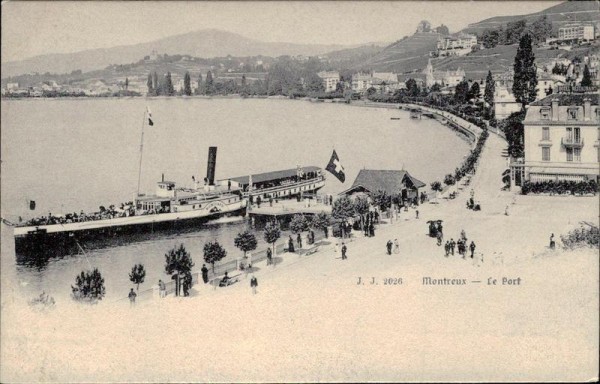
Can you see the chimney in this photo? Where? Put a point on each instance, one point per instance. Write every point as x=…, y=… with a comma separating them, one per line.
x=555, y=109
x=212, y=163
x=587, y=109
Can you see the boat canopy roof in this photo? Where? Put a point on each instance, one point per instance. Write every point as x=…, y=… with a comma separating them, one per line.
x=270, y=176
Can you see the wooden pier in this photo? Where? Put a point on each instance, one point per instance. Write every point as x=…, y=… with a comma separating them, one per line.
x=288, y=208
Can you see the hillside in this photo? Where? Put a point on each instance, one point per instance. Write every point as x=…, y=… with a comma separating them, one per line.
x=349, y=58
x=404, y=55
x=559, y=14
x=204, y=43
x=501, y=58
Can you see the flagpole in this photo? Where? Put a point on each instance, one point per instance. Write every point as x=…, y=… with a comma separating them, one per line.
x=141, y=154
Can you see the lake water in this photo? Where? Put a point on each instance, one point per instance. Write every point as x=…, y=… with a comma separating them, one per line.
x=69, y=155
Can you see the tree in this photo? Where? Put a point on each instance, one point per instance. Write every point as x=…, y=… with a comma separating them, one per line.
x=89, y=286
x=449, y=180
x=442, y=29
x=339, y=87
x=209, y=85
x=436, y=87
x=298, y=223
x=424, y=26
x=461, y=92
x=187, y=86
x=474, y=92
x=320, y=221
x=381, y=199
x=361, y=207
x=343, y=208
x=272, y=233
x=199, y=88
x=490, y=38
x=490, y=89
x=137, y=275
x=245, y=241
x=515, y=30
x=150, y=85
x=213, y=252
x=169, y=90
x=541, y=29
x=525, y=79
x=436, y=186
x=178, y=262
x=512, y=127
x=313, y=83
x=586, y=81
x=412, y=88
x=155, y=84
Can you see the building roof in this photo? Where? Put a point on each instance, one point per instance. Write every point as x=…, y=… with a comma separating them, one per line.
x=565, y=99
x=389, y=181
x=275, y=175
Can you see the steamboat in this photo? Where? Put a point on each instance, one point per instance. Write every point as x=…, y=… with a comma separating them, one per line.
x=168, y=208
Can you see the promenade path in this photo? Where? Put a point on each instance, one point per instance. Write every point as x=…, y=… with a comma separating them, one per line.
x=311, y=321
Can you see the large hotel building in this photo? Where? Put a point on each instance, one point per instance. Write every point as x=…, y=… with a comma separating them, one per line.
x=561, y=139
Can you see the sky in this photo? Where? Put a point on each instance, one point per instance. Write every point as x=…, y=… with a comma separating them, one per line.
x=31, y=28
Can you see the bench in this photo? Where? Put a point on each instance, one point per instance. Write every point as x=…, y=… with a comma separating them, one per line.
x=231, y=280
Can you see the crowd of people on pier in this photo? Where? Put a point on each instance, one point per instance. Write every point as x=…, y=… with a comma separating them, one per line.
x=125, y=210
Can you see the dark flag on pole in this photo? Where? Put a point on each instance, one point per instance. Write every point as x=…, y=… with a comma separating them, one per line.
x=32, y=205
x=336, y=168
x=150, y=122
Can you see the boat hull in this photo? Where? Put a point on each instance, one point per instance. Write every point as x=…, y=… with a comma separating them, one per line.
x=67, y=238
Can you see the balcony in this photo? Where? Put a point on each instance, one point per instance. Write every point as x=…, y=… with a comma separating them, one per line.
x=572, y=142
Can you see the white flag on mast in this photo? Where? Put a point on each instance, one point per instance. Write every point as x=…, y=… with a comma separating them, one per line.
x=150, y=122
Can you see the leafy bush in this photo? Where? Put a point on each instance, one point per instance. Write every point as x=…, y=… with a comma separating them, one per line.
x=298, y=223
x=89, y=286
x=582, y=237
x=562, y=187
x=246, y=241
x=436, y=186
x=449, y=180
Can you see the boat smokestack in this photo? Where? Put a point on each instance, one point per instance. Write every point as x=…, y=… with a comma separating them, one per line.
x=212, y=163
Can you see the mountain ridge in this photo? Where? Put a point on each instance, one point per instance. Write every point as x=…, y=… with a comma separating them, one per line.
x=205, y=43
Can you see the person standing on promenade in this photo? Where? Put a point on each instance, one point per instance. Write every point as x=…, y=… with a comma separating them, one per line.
x=372, y=229
x=447, y=247
x=396, y=246
x=291, y=244
x=162, y=289
x=253, y=284
x=440, y=237
x=389, y=247
x=552, y=243
x=269, y=256
x=417, y=213
x=344, y=249
x=452, y=245
x=132, y=295
x=204, y=273
x=472, y=248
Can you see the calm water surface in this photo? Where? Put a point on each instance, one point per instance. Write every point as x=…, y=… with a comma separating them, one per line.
x=69, y=155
